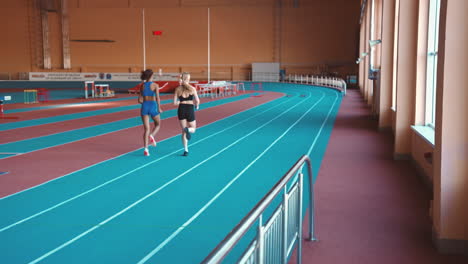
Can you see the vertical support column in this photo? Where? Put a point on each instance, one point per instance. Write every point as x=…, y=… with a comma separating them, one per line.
x=143, y=36
x=406, y=77
x=451, y=140
x=278, y=31
x=209, y=46
x=65, y=35
x=261, y=242
x=386, y=73
x=285, y=225
x=299, y=221
x=45, y=38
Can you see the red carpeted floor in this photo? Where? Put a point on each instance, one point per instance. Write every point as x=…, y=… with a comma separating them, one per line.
x=369, y=208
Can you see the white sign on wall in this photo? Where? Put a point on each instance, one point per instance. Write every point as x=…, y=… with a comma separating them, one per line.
x=96, y=76
x=265, y=72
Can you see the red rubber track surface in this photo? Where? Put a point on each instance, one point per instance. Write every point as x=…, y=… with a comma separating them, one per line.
x=34, y=168
x=18, y=134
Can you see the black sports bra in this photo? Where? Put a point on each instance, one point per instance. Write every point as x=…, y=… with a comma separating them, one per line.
x=189, y=98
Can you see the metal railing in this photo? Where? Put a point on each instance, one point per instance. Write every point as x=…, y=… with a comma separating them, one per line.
x=332, y=82
x=219, y=88
x=275, y=240
x=318, y=80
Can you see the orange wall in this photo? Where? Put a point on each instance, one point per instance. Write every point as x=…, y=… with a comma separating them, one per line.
x=14, y=44
x=317, y=33
x=119, y=24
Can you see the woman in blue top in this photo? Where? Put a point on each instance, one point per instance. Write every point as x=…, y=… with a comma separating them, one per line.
x=150, y=106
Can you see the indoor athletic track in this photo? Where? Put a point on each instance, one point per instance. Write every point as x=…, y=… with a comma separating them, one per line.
x=76, y=187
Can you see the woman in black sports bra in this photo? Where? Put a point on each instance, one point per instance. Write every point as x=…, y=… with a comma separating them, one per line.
x=186, y=97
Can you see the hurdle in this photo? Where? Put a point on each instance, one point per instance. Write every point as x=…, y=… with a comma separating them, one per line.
x=86, y=88
x=259, y=89
x=42, y=95
x=204, y=89
x=103, y=90
x=239, y=87
x=30, y=96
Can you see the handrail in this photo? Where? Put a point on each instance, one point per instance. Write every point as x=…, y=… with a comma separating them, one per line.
x=221, y=251
x=331, y=82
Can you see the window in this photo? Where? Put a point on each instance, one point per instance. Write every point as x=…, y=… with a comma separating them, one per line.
x=432, y=49
x=395, y=55
x=372, y=34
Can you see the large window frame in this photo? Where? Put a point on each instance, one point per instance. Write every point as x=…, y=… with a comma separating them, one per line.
x=372, y=34
x=432, y=57
x=395, y=54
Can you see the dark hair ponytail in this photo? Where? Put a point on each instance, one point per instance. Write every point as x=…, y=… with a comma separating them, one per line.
x=146, y=75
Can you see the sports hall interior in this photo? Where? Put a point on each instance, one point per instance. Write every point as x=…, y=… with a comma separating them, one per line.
x=390, y=179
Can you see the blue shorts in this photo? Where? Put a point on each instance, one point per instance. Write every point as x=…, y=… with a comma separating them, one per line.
x=149, y=108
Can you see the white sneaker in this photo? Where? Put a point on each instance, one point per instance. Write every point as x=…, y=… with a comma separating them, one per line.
x=146, y=152
x=152, y=141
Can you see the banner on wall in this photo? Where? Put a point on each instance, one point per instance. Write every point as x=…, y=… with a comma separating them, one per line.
x=97, y=76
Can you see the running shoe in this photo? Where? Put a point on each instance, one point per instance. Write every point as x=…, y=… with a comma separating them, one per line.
x=146, y=152
x=185, y=154
x=188, y=136
x=152, y=141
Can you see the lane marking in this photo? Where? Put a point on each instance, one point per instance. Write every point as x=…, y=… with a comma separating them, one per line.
x=104, y=133
x=323, y=124
x=23, y=110
x=96, y=164
x=161, y=188
x=86, y=114
x=69, y=117
x=141, y=167
x=196, y=215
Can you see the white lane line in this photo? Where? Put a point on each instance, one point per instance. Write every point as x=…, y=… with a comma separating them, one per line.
x=318, y=134
x=196, y=215
x=96, y=164
x=97, y=135
x=321, y=128
x=161, y=188
x=70, y=117
x=141, y=167
x=169, y=102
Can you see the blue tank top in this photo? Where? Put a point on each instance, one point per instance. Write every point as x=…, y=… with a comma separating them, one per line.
x=147, y=90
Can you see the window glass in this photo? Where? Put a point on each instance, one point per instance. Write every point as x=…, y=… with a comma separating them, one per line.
x=432, y=49
x=395, y=55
